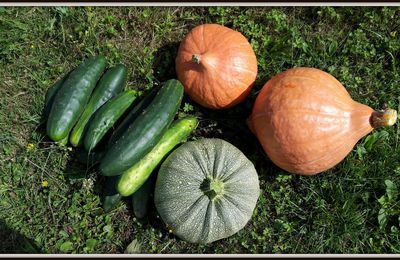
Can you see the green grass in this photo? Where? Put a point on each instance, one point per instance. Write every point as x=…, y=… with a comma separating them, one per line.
x=352, y=208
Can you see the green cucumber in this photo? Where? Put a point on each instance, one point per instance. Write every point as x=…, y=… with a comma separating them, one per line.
x=145, y=132
x=106, y=116
x=71, y=99
x=133, y=114
x=140, y=199
x=63, y=142
x=110, y=84
x=111, y=197
x=51, y=93
x=131, y=180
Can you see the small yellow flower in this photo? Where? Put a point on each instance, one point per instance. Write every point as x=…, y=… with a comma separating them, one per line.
x=30, y=147
x=32, y=46
x=69, y=148
x=393, y=34
x=45, y=184
x=170, y=231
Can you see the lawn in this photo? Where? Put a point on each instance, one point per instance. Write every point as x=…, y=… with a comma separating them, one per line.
x=50, y=203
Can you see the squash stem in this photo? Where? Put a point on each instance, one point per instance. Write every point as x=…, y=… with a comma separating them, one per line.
x=212, y=188
x=387, y=117
x=196, y=58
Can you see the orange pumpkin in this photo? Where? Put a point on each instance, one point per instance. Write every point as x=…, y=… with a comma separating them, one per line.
x=216, y=65
x=307, y=122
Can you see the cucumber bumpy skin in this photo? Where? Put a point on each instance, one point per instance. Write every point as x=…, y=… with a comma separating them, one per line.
x=106, y=116
x=110, y=84
x=132, y=179
x=145, y=132
x=71, y=99
x=132, y=115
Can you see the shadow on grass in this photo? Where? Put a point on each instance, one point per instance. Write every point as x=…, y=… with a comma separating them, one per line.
x=15, y=243
x=164, y=62
x=228, y=124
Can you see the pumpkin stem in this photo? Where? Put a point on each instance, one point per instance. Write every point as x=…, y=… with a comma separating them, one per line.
x=387, y=117
x=196, y=58
x=212, y=188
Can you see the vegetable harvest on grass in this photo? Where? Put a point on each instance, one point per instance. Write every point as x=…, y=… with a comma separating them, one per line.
x=164, y=153
x=307, y=122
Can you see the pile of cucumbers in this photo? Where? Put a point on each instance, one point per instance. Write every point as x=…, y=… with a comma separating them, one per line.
x=126, y=136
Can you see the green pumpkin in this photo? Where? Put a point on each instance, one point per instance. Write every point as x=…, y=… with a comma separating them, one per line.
x=206, y=190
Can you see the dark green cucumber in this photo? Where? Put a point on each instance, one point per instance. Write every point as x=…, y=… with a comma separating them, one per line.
x=50, y=94
x=132, y=115
x=71, y=99
x=140, y=199
x=106, y=116
x=64, y=141
x=111, y=197
x=145, y=132
x=131, y=180
x=110, y=84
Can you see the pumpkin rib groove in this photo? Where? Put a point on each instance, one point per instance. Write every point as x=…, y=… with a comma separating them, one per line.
x=349, y=107
x=241, y=194
x=186, y=214
x=243, y=69
x=202, y=163
x=228, y=180
x=227, y=176
x=195, y=43
x=297, y=143
x=317, y=138
x=236, y=205
x=216, y=166
x=337, y=83
x=201, y=91
x=339, y=105
x=212, y=209
x=232, y=221
x=342, y=89
x=202, y=39
x=221, y=44
x=307, y=121
x=213, y=94
x=207, y=226
x=228, y=94
x=280, y=84
x=235, y=211
x=226, y=224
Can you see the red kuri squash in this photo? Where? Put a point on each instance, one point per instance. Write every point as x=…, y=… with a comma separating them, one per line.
x=216, y=65
x=307, y=122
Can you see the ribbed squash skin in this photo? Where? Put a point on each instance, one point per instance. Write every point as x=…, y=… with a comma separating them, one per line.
x=187, y=209
x=307, y=122
x=226, y=68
